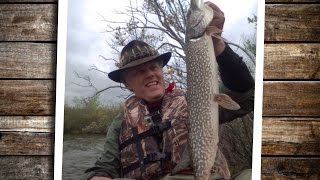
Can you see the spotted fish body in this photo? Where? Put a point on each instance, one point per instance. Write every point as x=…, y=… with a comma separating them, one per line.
x=202, y=80
x=203, y=90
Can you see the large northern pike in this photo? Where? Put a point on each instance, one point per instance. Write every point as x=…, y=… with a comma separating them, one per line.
x=202, y=93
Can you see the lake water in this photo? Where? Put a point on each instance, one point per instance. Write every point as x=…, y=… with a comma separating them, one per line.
x=79, y=153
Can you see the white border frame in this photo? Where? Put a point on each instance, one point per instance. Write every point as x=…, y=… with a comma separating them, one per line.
x=60, y=89
x=257, y=125
x=60, y=86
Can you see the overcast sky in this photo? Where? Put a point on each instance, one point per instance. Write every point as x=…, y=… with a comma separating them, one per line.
x=86, y=40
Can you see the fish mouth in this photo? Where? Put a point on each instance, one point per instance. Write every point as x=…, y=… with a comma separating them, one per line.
x=196, y=4
x=152, y=83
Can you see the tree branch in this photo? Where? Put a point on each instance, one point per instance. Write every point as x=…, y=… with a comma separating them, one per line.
x=86, y=78
x=244, y=50
x=93, y=67
x=110, y=87
x=108, y=59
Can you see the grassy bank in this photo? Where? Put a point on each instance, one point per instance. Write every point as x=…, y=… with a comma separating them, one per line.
x=89, y=116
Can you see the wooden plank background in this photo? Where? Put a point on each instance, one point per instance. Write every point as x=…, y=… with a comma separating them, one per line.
x=28, y=45
x=291, y=92
x=291, y=102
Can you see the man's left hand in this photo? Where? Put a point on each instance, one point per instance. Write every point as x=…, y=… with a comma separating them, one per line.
x=217, y=22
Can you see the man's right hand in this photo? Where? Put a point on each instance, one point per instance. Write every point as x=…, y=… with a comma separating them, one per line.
x=100, y=178
x=218, y=22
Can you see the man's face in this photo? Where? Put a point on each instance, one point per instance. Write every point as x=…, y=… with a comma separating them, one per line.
x=146, y=81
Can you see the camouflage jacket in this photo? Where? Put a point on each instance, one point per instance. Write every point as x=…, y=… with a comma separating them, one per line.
x=171, y=140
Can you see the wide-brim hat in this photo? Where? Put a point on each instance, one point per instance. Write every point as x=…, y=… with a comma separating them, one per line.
x=136, y=53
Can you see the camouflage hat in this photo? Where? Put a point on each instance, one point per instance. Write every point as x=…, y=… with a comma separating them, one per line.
x=136, y=53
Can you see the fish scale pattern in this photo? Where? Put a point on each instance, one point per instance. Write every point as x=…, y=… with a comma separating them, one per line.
x=202, y=79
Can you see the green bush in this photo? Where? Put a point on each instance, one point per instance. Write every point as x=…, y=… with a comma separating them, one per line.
x=89, y=116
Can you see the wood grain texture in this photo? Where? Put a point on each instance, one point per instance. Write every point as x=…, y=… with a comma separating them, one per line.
x=290, y=136
x=28, y=60
x=26, y=167
x=290, y=168
x=26, y=143
x=27, y=97
x=292, y=61
x=288, y=27
x=27, y=124
x=292, y=22
x=28, y=22
x=291, y=98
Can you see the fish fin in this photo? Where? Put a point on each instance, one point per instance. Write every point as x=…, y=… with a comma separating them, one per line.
x=225, y=101
x=185, y=161
x=214, y=31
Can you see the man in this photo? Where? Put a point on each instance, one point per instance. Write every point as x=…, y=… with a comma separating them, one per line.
x=147, y=140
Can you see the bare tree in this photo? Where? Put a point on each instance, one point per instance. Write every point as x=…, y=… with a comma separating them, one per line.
x=160, y=23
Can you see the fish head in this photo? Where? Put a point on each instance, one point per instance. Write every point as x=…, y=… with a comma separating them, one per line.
x=199, y=17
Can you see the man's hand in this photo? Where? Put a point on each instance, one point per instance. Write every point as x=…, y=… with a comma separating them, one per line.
x=100, y=178
x=218, y=22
